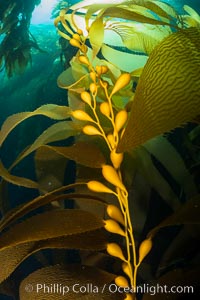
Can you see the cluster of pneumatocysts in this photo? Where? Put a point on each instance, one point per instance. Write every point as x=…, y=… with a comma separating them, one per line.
x=119, y=221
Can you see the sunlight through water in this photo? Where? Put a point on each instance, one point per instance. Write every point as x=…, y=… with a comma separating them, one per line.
x=42, y=13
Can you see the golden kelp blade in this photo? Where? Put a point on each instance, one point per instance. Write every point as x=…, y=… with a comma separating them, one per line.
x=168, y=92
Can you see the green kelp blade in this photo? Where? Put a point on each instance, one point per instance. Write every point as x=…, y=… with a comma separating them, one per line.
x=96, y=35
x=168, y=92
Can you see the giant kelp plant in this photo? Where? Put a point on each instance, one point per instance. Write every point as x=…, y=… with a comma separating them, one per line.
x=17, y=41
x=135, y=215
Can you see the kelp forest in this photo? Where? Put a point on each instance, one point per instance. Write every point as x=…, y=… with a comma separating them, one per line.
x=103, y=199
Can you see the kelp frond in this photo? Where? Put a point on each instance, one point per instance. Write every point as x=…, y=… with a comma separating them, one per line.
x=97, y=20
x=192, y=19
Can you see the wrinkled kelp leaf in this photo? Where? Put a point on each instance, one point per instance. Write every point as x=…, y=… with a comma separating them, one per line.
x=19, y=239
x=84, y=153
x=53, y=111
x=186, y=214
x=168, y=91
x=52, y=223
x=95, y=240
x=68, y=276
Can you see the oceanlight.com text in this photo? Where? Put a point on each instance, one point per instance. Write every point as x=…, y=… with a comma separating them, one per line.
x=153, y=289
x=62, y=290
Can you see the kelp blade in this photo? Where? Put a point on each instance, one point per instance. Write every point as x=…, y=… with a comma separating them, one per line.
x=168, y=93
x=52, y=111
x=57, y=224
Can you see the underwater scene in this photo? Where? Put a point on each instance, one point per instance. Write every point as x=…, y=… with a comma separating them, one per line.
x=99, y=149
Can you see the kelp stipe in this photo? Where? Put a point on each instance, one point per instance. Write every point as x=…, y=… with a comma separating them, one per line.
x=111, y=172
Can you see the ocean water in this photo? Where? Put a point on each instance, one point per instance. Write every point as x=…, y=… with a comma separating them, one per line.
x=35, y=86
x=178, y=4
